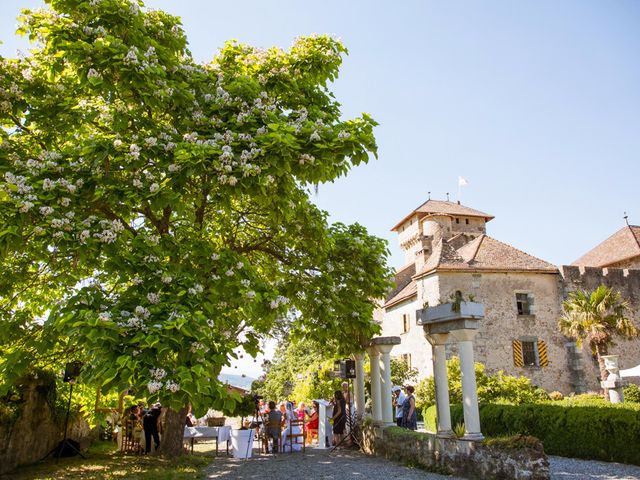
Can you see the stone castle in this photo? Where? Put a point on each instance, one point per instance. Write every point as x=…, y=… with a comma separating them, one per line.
x=447, y=250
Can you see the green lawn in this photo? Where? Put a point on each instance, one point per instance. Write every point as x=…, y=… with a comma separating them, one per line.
x=103, y=462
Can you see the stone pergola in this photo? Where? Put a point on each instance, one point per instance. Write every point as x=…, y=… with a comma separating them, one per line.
x=379, y=350
x=442, y=325
x=445, y=324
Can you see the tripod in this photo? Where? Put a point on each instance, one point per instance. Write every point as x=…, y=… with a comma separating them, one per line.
x=66, y=443
x=350, y=424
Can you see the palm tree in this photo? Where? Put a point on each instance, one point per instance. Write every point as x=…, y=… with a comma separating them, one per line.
x=595, y=317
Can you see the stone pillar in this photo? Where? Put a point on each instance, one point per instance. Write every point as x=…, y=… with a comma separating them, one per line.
x=374, y=359
x=440, y=380
x=358, y=386
x=385, y=384
x=469, y=390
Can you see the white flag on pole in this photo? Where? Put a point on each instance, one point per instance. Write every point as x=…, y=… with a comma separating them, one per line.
x=462, y=182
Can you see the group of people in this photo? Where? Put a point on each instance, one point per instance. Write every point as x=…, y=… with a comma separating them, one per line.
x=278, y=425
x=405, y=405
x=283, y=422
x=147, y=422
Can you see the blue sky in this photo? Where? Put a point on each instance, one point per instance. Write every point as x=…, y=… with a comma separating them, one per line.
x=536, y=104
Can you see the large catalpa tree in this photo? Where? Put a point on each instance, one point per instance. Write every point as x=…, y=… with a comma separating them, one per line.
x=155, y=211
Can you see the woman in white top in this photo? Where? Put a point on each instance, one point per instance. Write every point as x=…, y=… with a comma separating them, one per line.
x=293, y=430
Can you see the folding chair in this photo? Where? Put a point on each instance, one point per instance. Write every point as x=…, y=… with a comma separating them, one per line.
x=271, y=431
x=131, y=437
x=292, y=436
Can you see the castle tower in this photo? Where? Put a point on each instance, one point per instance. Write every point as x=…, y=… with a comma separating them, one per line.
x=433, y=221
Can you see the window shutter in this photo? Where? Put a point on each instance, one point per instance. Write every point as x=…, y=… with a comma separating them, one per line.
x=517, y=353
x=542, y=354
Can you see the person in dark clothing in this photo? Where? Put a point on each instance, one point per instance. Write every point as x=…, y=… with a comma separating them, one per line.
x=150, y=425
x=339, y=417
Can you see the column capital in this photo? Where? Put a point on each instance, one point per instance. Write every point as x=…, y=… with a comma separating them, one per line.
x=437, y=338
x=372, y=351
x=384, y=349
x=464, y=335
x=358, y=356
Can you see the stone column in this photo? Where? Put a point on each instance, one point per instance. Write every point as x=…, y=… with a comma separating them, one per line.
x=469, y=389
x=374, y=359
x=385, y=384
x=440, y=380
x=358, y=385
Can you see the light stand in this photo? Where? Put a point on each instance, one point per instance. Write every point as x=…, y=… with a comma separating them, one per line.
x=66, y=443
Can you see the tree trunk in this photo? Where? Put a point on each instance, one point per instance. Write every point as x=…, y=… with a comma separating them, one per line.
x=171, y=444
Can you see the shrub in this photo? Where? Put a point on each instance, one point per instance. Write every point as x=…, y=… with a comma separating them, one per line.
x=576, y=427
x=632, y=393
x=556, y=396
x=491, y=388
x=430, y=415
x=458, y=429
x=515, y=442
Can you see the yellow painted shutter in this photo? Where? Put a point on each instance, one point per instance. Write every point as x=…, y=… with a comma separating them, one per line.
x=542, y=354
x=517, y=353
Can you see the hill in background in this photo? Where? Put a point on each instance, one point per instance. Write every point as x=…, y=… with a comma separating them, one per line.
x=236, y=380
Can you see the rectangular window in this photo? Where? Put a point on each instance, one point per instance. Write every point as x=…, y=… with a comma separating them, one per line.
x=406, y=323
x=406, y=358
x=529, y=357
x=523, y=302
x=530, y=352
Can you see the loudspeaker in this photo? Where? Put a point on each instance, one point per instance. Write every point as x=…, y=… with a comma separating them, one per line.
x=349, y=369
x=344, y=369
x=71, y=371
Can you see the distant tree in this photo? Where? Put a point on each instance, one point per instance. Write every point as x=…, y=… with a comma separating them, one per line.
x=300, y=371
x=596, y=318
x=401, y=373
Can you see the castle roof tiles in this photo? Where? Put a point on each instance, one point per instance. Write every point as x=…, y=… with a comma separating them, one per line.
x=622, y=245
x=484, y=253
x=433, y=207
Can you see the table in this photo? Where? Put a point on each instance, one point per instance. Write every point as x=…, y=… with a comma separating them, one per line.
x=221, y=434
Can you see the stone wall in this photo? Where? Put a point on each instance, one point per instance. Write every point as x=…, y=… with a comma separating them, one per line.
x=37, y=430
x=459, y=457
x=627, y=282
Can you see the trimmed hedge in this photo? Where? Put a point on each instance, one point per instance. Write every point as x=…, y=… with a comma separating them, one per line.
x=589, y=429
x=430, y=415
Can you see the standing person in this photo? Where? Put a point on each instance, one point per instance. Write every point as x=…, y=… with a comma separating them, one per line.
x=398, y=400
x=345, y=393
x=409, y=417
x=339, y=417
x=150, y=424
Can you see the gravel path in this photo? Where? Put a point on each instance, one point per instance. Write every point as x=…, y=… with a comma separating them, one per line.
x=316, y=464
x=348, y=464
x=575, y=469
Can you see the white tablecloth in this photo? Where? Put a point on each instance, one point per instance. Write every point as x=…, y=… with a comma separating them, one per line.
x=223, y=434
